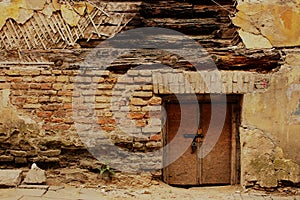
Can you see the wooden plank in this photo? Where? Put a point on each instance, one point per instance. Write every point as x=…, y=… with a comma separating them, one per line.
x=233, y=144
x=260, y=61
x=216, y=165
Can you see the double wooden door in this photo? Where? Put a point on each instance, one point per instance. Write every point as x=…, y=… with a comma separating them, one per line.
x=187, y=128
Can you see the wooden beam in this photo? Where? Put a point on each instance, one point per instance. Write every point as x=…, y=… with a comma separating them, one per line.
x=224, y=58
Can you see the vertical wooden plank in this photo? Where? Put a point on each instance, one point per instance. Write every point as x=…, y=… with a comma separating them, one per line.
x=165, y=136
x=233, y=144
x=216, y=165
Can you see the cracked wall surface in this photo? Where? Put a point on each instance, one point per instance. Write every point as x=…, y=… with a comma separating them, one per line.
x=270, y=121
x=268, y=23
x=270, y=131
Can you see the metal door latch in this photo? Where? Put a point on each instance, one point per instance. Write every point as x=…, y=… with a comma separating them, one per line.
x=195, y=140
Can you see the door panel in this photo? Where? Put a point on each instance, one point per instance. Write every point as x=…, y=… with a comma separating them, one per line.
x=216, y=166
x=185, y=169
x=188, y=169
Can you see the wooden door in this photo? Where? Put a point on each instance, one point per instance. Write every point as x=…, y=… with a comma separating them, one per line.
x=180, y=123
x=216, y=168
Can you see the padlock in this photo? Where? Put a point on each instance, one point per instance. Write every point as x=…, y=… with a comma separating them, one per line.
x=194, y=147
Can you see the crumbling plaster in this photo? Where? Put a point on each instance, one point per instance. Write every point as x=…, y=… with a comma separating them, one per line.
x=267, y=23
x=23, y=10
x=270, y=130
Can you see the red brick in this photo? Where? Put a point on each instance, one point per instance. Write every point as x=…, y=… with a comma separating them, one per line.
x=56, y=120
x=44, y=114
x=19, y=100
x=27, y=79
x=61, y=127
x=69, y=72
x=35, y=86
x=46, y=86
x=20, y=86
x=62, y=79
x=34, y=92
x=32, y=99
x=14, y=79
x=49, y=92
x=51, y=107
x=59, y=113
x=45, y=79
x=68, y=120
x=56, y=72
x=55, y=99
x=65, y=93
x=67, y=106
x=141, y=123
x=47, y=127
x=17, y=92
x=108, y=128
x=156, y=137
x=58, y=86
x=112, y=121
x=136, y=115
x=43, y=99
x=102, y=120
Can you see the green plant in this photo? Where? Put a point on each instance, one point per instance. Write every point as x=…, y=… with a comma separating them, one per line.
x=106, y=168
x=106, y=172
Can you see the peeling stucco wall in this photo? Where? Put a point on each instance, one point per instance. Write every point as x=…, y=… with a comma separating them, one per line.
x=268, y=23
x=270, y=129
x=270, y=121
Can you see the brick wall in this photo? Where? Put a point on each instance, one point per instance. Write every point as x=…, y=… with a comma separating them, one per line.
x=126, y=107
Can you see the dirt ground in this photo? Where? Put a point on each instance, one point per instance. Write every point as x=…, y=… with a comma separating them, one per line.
x=68, y=183
x=144, y=186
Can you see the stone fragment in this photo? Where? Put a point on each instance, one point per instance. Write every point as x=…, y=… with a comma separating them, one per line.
x=18, y=153
x=51, y=153
x=69, y=15
x=35, y=5
x=24, y=15
x=56, y=4
x=5, y=158
x=80, y=7
x=155, y=101
x=35, y=175
x=89, y=8
x=48, y=10
x=10, y=178
x=20, y=160
x=254, y=41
